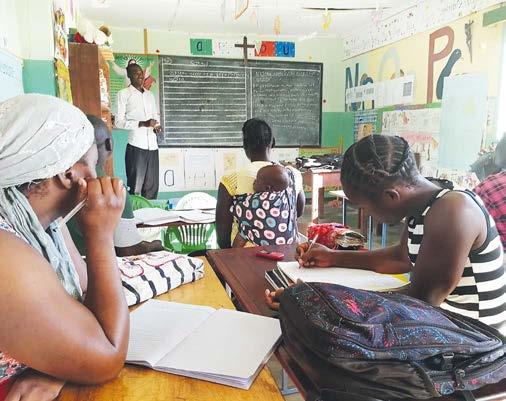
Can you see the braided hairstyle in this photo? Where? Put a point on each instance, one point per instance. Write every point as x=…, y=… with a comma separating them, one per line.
x=257, y=135
x=377, y=161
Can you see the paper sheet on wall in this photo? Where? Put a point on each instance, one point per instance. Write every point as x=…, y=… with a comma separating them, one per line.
x=228, y=161
x=199, y=172
x=463, y=120
x=171, y=170
x=285, y=154
x=11, y=78
x=421, y=129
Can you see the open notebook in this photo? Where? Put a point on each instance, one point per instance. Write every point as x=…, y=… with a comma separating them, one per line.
x=218, y=345
x=354, y=278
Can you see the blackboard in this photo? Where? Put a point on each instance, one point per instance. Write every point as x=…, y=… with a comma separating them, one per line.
x=205, y=101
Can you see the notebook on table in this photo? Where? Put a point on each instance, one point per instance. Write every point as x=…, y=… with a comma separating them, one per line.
x=218, y=345
x=353, y=278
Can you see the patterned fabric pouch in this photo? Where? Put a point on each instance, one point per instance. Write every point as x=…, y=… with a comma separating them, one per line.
x=146, y=276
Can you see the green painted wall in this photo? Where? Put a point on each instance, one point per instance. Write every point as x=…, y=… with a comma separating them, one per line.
x=38, y=77
x=336, y=126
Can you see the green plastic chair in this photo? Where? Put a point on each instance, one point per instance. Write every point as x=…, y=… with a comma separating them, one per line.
x=192, y=239
x=139, y=202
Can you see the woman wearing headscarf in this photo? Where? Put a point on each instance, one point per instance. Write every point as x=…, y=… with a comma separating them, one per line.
x=64, y=322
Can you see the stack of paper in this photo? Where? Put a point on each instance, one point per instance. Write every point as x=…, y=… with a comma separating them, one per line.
x=195, y=216
x=152, y=216
x=353, y=278
x=221, y=346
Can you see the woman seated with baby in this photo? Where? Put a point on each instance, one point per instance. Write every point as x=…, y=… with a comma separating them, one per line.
x=260, y=203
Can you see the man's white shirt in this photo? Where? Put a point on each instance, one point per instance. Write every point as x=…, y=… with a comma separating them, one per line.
x=135, y=106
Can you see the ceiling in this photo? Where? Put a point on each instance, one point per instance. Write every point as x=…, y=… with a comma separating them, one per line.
x=218, y=16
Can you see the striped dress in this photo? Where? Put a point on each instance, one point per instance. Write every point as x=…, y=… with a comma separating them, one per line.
x=481, y=292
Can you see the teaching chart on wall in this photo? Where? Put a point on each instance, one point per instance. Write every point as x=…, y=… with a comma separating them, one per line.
x=419, y=17
x=463, y=120
x=205, y=101
x=11, y=75
x=420, y=127
x=194, y=169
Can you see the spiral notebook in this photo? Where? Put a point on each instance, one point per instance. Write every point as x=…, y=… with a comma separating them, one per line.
x=218, y=345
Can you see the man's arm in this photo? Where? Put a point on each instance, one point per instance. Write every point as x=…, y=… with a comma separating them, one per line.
x=121, y=118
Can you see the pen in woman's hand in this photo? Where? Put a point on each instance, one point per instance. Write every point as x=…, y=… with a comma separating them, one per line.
x=311, y=244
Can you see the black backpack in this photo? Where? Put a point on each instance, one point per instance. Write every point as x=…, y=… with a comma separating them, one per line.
x=359, y=345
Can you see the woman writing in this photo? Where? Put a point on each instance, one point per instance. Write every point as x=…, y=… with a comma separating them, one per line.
x=64, y=320
x=449, y=245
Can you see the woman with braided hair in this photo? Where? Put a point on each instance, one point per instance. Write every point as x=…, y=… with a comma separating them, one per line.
x=449, y=245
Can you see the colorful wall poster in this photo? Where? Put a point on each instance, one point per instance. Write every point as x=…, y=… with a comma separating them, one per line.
x=420, y=127
x=60, y=32
x=118, y=79
x=63, y=87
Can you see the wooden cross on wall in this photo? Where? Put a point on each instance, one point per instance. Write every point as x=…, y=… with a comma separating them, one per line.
x=245, y=48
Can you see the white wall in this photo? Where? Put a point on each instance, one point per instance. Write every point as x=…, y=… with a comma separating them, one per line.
x=26, y=28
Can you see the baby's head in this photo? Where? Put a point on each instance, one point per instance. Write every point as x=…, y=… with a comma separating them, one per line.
x=272, y=178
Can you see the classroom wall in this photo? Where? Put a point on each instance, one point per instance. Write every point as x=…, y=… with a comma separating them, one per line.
x=26, y=31
x=335, y=123
x=451, y=56
x=324, y=50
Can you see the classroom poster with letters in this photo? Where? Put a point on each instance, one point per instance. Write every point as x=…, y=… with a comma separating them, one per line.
x=171, y=170
x=118, y=76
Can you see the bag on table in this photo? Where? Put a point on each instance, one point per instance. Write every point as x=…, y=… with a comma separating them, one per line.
x=362, y=345
x=336, y=236
x=146, y=276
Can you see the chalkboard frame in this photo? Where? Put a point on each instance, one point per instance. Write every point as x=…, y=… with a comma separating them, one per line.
x=256, y=60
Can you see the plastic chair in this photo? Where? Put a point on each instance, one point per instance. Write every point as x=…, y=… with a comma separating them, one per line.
x=192, y=239
x=147, y=234
x=139, y=202
x=196, y=200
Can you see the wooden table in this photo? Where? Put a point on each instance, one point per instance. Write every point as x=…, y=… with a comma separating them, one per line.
x=244, y=273
x=318, y=179
x=139, y=384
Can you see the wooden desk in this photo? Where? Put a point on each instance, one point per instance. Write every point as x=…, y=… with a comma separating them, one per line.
x=139, y=384
x=244, y=273
x=318, y=180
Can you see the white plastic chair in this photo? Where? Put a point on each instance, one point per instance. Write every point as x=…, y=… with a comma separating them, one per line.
x=196, y=200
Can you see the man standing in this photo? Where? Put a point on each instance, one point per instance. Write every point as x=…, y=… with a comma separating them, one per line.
x=137, y=112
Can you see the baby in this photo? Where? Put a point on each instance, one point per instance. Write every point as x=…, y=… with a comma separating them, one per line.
x=267, y=216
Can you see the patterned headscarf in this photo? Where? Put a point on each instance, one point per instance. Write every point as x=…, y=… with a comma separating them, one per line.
x=40, y=137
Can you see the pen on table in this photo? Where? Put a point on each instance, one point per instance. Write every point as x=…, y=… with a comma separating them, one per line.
x=73, y=212
x=311, y=244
